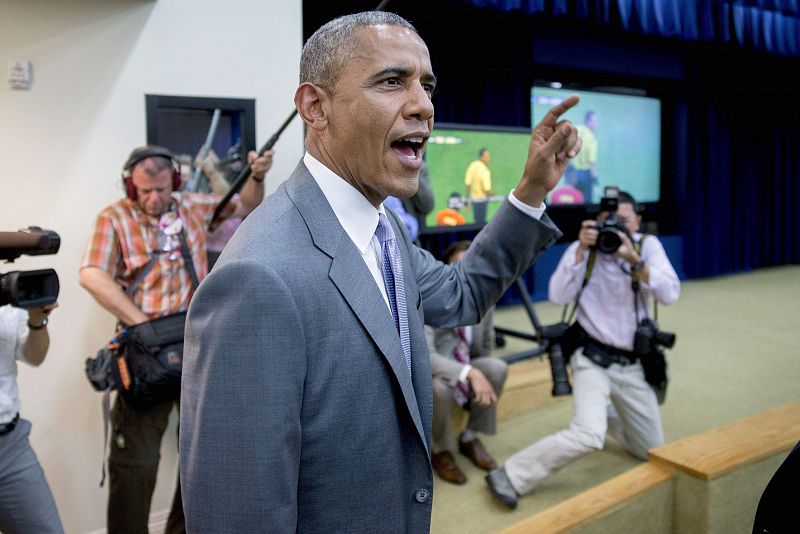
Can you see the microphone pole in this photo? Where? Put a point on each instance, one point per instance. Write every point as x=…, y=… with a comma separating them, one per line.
x=244, y=174
x=242, y=177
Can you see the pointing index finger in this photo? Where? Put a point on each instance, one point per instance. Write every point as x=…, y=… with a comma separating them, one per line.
x=551, y=119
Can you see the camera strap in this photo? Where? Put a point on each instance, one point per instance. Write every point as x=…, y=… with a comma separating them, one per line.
x=589, y=267
x=637, y=246
x=635, y=285
x=187, y=260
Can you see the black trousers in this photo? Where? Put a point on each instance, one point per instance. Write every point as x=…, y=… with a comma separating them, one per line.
x=133, y=466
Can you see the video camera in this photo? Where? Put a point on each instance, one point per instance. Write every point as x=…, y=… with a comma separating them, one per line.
x=28, y=289
x=608, y=240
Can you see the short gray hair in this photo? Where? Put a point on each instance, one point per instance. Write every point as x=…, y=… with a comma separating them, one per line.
x=326, y=52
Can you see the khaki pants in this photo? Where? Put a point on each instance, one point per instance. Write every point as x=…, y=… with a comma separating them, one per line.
x=616, y=400
x=133, y=466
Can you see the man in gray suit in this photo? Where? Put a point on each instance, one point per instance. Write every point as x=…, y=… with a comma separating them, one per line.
x=306, y=401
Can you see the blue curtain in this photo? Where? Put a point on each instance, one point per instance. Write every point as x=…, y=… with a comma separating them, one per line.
x=737, y=191
x=768, y=25
x=731, y=180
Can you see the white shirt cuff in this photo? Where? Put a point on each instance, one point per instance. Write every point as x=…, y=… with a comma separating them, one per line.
x=528, y=210
x=462, y=376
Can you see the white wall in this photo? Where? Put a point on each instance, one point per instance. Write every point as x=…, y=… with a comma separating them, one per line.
x=62, y=144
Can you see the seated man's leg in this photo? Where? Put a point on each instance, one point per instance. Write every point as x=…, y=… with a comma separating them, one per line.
x=586, y=432
x=484, y=419
x=133, y=464
x=637, y=407
x=444, y=439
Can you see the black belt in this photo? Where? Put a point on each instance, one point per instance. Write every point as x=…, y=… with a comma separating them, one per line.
x=606, y=355
x=8, y=427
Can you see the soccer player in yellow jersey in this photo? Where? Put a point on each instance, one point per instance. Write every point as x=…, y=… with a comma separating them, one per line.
x=478, y=180
x=583, y=174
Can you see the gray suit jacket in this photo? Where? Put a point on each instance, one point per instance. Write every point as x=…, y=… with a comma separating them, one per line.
x=298, y=412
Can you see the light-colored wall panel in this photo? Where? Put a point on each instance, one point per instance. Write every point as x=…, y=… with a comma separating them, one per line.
x=62, y=144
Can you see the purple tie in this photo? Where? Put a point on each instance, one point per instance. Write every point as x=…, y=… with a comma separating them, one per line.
x=392, y=269
x=461, y=354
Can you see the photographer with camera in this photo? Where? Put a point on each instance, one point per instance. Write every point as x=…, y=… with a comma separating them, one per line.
x=145, y=258
x=26, y=503
x=612, y=273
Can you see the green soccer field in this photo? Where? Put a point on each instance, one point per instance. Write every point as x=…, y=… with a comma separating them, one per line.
x=451, y=150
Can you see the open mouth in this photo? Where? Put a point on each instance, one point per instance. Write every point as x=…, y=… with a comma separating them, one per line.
x=409, y=147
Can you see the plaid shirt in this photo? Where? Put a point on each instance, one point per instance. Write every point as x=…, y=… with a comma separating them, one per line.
x=123, y=241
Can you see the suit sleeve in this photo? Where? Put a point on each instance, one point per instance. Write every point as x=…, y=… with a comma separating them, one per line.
x=460, y=294
x=242, y=389
x=483, y=336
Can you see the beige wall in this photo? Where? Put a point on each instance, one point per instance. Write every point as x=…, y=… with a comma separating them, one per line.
x=62, y=144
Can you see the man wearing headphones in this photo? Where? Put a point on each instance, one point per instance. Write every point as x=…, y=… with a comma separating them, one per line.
x=144, y=232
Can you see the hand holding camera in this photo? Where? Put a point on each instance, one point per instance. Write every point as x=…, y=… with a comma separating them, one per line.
x=38, y=317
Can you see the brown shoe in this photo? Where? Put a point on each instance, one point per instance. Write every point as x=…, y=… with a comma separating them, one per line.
x=444, y=464
x=474, y=450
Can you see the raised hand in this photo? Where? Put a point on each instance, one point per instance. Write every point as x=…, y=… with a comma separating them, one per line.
x=553, y=143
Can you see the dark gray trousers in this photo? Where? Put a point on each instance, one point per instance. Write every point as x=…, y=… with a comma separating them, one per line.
x=133, y=466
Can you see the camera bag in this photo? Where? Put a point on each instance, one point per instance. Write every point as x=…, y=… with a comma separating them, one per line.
x=147, y=369
x=144, y=361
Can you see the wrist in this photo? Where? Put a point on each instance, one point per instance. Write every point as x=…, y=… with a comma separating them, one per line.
x=40, y=326
x=532, y=195
x=634, y=259
x=256, y=179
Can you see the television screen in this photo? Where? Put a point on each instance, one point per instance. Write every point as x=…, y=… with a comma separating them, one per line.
x=621, y=144
x=472, y=169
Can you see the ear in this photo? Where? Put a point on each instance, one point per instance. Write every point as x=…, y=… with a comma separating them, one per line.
x=310, y=101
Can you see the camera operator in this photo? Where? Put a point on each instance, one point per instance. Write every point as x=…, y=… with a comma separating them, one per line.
x=610, y=392
x=26, y=503
x=150, y=231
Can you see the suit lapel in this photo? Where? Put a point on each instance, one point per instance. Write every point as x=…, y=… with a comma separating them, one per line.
x=354, y=281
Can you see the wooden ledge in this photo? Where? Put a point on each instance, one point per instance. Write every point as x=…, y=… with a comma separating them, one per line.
x=595, y=502
x=720, y=450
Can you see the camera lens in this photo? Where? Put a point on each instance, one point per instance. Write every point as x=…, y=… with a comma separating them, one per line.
x=665, y=339
x=608, y=241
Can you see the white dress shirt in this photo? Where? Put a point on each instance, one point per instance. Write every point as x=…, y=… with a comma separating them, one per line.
x=606, y=309
x=13, y=333
x=356, y=214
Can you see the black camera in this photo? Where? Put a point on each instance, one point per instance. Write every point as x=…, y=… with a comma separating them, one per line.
x=648, y=338
x=28, y=289
x=608, y=239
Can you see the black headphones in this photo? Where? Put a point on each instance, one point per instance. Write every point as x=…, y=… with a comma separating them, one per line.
x=145, y=152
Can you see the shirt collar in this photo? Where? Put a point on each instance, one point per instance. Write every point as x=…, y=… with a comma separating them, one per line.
x=357, y=216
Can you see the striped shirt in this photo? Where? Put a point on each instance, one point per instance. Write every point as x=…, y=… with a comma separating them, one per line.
x=125, y=237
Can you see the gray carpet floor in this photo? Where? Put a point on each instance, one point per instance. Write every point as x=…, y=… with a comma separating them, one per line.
x=736, y=355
